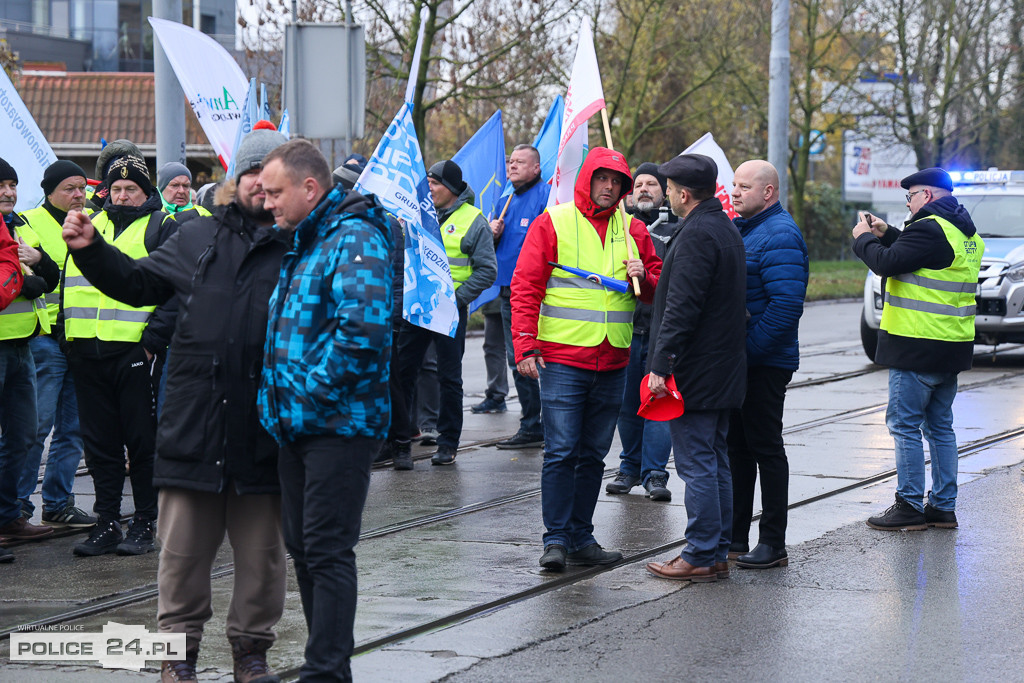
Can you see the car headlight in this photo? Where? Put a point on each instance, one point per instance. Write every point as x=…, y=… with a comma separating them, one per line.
x=1016, y=272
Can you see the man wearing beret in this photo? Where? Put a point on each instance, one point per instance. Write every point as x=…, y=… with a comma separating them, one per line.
x=111, y=349
x=469, y=246
x=646, y=444
x=21, y=320
x=698, y=334
x=174, y=181
x=64, y=187
x=574, y=335
x=930, y=279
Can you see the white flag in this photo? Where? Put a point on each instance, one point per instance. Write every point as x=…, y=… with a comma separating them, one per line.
x=707, y=146
x=584, y=98
x=24, y=146
x=213, y=82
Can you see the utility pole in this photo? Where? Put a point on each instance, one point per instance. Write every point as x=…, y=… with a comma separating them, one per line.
x=778, y=97
x=169, y=100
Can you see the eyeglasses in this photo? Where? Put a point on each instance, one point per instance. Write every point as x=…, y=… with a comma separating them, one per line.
x=910, y=195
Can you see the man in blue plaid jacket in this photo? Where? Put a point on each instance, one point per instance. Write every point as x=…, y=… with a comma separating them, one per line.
x=324, y=393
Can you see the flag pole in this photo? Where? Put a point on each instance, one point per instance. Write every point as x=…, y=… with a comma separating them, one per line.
x=507, y=202
x=622, y=204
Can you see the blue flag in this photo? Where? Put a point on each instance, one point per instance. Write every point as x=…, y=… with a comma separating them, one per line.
x=482, y=161
x=397, y=176
x=547, y=140
x=285, y=128
x=250, y=114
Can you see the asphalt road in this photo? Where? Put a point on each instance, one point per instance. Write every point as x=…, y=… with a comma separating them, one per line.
x=450, y=587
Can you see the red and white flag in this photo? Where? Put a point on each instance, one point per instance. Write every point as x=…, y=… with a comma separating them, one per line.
x=709, y=148
x=584, y=98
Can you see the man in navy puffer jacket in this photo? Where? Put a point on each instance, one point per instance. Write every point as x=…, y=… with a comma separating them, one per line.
x=776, y=285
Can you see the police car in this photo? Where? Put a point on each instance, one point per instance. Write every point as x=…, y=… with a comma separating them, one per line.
x=995, y=200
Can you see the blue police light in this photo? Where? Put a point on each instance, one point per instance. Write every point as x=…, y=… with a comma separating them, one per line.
x=955, y=176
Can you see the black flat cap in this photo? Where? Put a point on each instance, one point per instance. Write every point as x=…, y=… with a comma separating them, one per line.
x=695, y=171
x=932, y=177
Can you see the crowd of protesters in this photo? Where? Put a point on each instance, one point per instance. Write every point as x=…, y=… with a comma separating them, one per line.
x=240, y=356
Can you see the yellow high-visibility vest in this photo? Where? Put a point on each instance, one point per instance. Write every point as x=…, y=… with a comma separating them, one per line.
x=20, y=318
x=578, y=311
x=937, y=304
x=452, y=232
x=49, y=232
x=90, y=314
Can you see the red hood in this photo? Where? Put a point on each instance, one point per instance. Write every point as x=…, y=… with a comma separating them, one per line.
x=600, y=157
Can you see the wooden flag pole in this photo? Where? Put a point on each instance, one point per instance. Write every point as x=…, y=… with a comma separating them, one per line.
x=622, y=204
x=509, y=201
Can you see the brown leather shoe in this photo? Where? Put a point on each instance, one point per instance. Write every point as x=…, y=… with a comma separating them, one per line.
x=179, y=671
x=722, y=570
x=250, y=655
x=21, y=529
x=678, y=569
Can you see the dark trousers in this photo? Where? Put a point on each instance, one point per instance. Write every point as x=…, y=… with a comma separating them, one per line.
x=117, y=410
x=755, y=443
x=324, y=480
x=527, y=388
x=399, y=406
x=412, y=345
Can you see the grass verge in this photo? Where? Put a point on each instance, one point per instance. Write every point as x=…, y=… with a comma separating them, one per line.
x=836, y=280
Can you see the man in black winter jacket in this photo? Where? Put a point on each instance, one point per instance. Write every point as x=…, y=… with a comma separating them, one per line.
x=926, y=338
x=216, y=466
x=698, y=336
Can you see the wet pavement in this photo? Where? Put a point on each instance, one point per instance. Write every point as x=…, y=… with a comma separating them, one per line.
x=441, y=544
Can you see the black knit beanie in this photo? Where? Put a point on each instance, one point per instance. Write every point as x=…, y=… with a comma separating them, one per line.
x=58, y=172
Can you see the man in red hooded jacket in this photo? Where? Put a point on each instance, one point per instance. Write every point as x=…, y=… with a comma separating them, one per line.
x=574, y=334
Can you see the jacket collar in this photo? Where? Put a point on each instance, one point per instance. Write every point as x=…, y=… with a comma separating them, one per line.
x=747, y=224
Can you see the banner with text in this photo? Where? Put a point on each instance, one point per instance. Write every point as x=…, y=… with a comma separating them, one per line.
x=213, y=82
x=24, y=146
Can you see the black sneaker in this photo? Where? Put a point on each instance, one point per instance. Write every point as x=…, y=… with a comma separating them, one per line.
x=489, y=405
x=622, y=484
x=70, y=517
x=444, y=456
x=553, y=557
x=6, y=555
x=657, y=487
x=103, y=539
x=139, y=539
x=592, y=555
x=385, y=454
x=939, y=519
x=402, y=456
x=902, y=516
x=522, y=440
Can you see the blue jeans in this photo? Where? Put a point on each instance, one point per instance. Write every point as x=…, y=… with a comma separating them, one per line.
x=528, y=389
x=702, y=461
x=579, y=422
x=646, y=444
x=17, y=422
x=57, y=408
x=922, y=402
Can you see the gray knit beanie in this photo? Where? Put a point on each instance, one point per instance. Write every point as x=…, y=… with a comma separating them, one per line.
x=170, y=171
x=253, y=148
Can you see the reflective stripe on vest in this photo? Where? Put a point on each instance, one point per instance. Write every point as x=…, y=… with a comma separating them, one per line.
x=20, y=318
x=90, y=314
x=452, y=232
x=937, y=304
x=49, y=232
x=578, y=311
